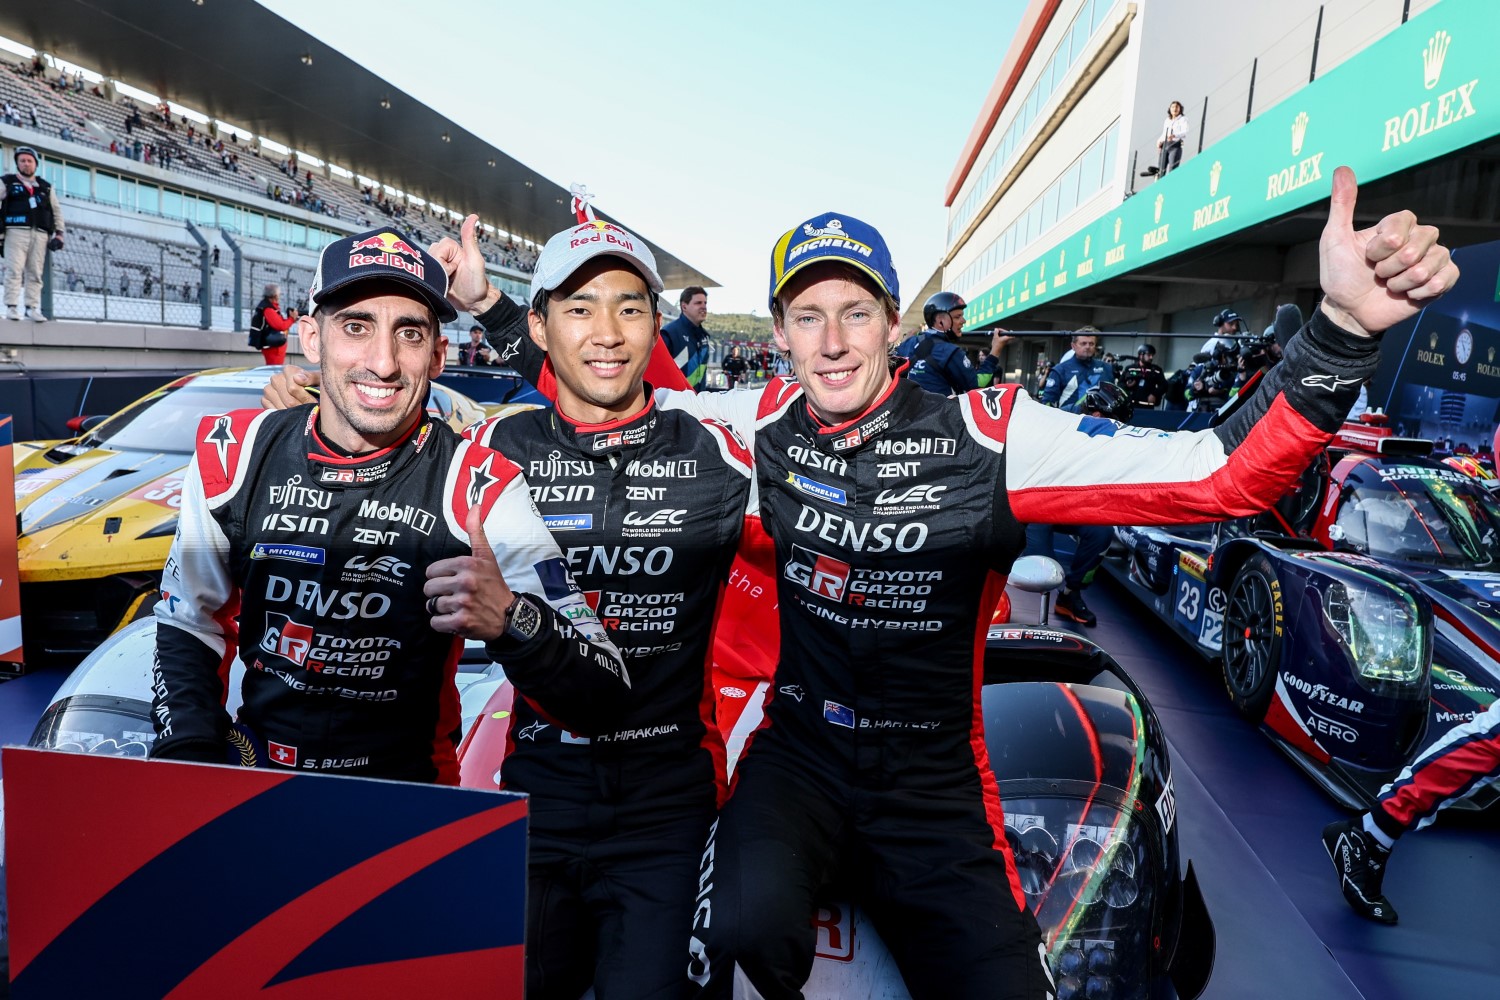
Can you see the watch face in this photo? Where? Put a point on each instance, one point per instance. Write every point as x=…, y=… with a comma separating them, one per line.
x=1464, y=347
x=525, y=620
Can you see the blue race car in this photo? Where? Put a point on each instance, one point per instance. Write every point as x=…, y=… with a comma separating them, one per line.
x=1356, y=621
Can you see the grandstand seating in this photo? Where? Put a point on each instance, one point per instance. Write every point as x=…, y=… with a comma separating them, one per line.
x=98, y=123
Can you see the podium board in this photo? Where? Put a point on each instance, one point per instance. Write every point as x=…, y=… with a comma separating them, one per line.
x=130, y=878
x=11, y=658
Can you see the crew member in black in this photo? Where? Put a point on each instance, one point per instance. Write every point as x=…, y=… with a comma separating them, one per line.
x=341, y=551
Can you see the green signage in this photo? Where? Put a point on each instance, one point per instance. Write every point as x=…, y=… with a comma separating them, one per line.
x=1412, y=96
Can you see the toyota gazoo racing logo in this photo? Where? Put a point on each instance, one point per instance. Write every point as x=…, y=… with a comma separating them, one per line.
x=835, y=580
x=330, y=655
x=389, y=250
x=825, y=576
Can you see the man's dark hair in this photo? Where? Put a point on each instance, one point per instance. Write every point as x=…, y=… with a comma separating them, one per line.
x=539, y=304
x=688, y=293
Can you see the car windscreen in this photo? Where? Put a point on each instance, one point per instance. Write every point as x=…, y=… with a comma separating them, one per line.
x=97, y=724
x=169, y=421
x=1420, y=513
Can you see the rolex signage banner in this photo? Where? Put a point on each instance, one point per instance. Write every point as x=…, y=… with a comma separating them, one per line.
x=1418, y=93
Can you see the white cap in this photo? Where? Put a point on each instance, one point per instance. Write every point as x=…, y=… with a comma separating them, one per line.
x=572, y=248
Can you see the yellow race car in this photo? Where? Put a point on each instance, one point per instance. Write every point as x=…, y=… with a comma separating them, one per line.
x=96, y=514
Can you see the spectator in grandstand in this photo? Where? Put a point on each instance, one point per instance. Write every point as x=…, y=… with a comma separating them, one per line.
x=31, y=224
x=8, y=113
x=686, y=339
x=268, y=326
x=34, y=123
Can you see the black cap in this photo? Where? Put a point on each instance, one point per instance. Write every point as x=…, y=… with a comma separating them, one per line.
x=385, y=254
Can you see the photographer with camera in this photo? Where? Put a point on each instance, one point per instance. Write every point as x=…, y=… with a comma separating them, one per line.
x=1143, y=379
x=1104, y=402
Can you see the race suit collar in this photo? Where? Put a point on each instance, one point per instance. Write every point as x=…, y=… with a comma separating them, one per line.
x=890, y=407
x=611, y=436
x=331, y=468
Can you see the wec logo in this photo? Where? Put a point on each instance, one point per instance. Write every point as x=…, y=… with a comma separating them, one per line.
x=910, y=496
x=656, y=519
x=379, y=564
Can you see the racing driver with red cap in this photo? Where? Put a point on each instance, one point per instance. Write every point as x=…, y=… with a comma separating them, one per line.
x=872, y=766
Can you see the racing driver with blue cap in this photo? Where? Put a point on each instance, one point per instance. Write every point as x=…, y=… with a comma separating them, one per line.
x=871, y=768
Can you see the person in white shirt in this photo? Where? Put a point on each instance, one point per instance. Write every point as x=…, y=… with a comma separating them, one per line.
x=1173, y=132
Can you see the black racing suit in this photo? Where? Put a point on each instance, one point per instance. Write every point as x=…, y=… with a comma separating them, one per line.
x=647, y=511
x=894, y=533
x=309, y=566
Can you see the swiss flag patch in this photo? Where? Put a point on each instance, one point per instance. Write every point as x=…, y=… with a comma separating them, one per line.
x=281, y=754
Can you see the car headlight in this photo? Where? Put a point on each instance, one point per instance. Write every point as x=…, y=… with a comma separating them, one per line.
x=168, y=527
x=1380, y=628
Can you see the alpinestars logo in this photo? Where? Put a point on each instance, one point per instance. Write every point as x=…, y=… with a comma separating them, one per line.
x=1329, y=382
x=511, y=350
x=990, y=399
x=480, y=480
x=221, y=436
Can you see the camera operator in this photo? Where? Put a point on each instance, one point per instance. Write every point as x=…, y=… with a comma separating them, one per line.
x=1143, y=379
x=1213, y=377
x=1107, y=402
x=1228, y=327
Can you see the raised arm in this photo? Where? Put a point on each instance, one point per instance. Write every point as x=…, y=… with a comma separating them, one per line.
x=1100, y=472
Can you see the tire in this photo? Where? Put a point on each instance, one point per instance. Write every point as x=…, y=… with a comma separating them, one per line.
x=1252, y=640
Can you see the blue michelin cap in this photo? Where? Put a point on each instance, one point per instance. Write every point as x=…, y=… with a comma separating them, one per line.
x=833, y=236
x=387, y=254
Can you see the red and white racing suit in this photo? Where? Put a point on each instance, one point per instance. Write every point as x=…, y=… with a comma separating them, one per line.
x=893, y=535
x=308, y=566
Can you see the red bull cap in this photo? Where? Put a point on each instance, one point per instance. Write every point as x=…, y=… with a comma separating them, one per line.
x=570, y=249
x=384, y=254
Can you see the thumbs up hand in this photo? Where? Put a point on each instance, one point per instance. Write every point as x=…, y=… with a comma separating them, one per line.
x=1375, y=278
x=467, y=595
x=468, y=289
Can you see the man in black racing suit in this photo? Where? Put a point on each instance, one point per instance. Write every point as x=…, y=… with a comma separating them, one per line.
x=341, y=551
x=896, y=515
x=647, y=505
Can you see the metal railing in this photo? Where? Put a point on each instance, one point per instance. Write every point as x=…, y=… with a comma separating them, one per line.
x=113, y=277
x=1331, y=32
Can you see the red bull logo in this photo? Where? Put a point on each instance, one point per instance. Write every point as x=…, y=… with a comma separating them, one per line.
x=387, y=249
x=599, y=231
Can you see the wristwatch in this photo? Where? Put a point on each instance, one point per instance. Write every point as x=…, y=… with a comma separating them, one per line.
x=523, y=620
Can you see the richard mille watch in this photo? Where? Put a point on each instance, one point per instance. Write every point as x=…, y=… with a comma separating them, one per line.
x=523, y=620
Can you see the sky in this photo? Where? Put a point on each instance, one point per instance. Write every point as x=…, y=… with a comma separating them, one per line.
x=711, y=128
